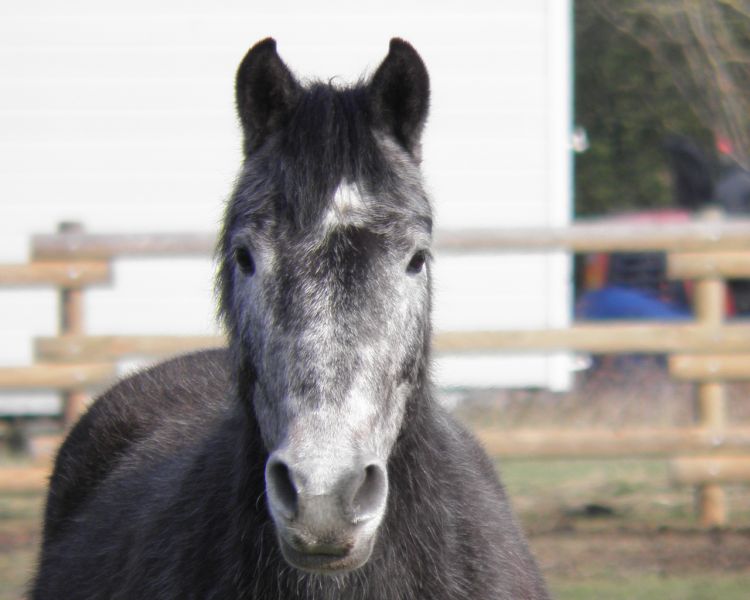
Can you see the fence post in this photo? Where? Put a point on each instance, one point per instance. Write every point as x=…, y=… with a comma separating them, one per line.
x=709, y=303
x=72, y=323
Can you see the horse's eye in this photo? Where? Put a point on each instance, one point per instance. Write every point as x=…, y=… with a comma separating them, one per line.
x=416, y=264
x=244, y=260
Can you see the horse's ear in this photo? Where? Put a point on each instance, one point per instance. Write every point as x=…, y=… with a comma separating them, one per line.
x=400, y=95
x=266, y=93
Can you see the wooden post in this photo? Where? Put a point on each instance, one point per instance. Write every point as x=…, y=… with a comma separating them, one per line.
x=72, y=323
x=709, y=303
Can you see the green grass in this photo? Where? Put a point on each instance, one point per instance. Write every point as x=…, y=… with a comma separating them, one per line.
x=639, y=492
x=15, y=572
x=652, y=587
x=619, y=556
x=20, y=519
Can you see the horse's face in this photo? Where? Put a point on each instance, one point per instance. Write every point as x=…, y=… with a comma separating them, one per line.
x=326, y=292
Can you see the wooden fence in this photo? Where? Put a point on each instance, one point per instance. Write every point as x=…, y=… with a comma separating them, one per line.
x=706, y=350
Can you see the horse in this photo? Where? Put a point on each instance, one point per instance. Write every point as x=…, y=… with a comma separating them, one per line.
x=308, y=459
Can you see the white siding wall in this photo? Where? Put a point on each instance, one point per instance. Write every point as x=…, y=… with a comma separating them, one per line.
x=121, y=116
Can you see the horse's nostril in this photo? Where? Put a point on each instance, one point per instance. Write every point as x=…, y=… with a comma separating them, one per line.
x=369, y=498
x=281, y=488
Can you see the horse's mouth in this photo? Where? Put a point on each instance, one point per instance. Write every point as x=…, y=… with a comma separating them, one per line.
x=328, y=561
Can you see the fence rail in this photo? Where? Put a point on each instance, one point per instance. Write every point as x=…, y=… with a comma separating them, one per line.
x=604, y=338
x=592, y=236
x=55, y=376
x=76, y=348
x=704, y=350
x=73, y=274
x=608, y=443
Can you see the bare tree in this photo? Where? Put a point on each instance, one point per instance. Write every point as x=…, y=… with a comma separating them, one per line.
x=705, y=46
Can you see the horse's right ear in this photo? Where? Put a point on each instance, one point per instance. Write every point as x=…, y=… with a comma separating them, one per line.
x=266, y=93
x=400, y=95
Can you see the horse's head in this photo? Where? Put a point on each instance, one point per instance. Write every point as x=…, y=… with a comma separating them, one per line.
x=325, y=291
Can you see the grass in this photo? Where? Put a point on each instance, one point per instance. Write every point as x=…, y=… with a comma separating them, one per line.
x=645, y=545
x=639, y=492
x=652, y=587
x=15, y=571
x=20, y=518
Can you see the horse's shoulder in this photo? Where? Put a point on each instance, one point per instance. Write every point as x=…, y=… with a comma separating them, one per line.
x=183, y=389
x=458, y=476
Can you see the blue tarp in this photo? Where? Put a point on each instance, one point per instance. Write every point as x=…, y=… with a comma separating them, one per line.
x=616, y=302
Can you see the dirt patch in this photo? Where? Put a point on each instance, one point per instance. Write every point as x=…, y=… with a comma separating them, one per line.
x=631, y=552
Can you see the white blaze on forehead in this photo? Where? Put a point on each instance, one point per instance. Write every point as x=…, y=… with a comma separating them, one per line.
x=347, y=207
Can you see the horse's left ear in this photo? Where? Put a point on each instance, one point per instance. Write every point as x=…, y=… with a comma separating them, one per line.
x=266, y=93
x=399, y=95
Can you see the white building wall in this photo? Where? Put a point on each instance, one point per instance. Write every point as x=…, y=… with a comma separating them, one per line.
x=121, y=116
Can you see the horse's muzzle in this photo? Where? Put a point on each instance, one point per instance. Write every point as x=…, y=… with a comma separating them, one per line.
x=326, y=515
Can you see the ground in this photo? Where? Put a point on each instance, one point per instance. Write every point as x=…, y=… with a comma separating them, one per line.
x=601, y=529
x=618, y=529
